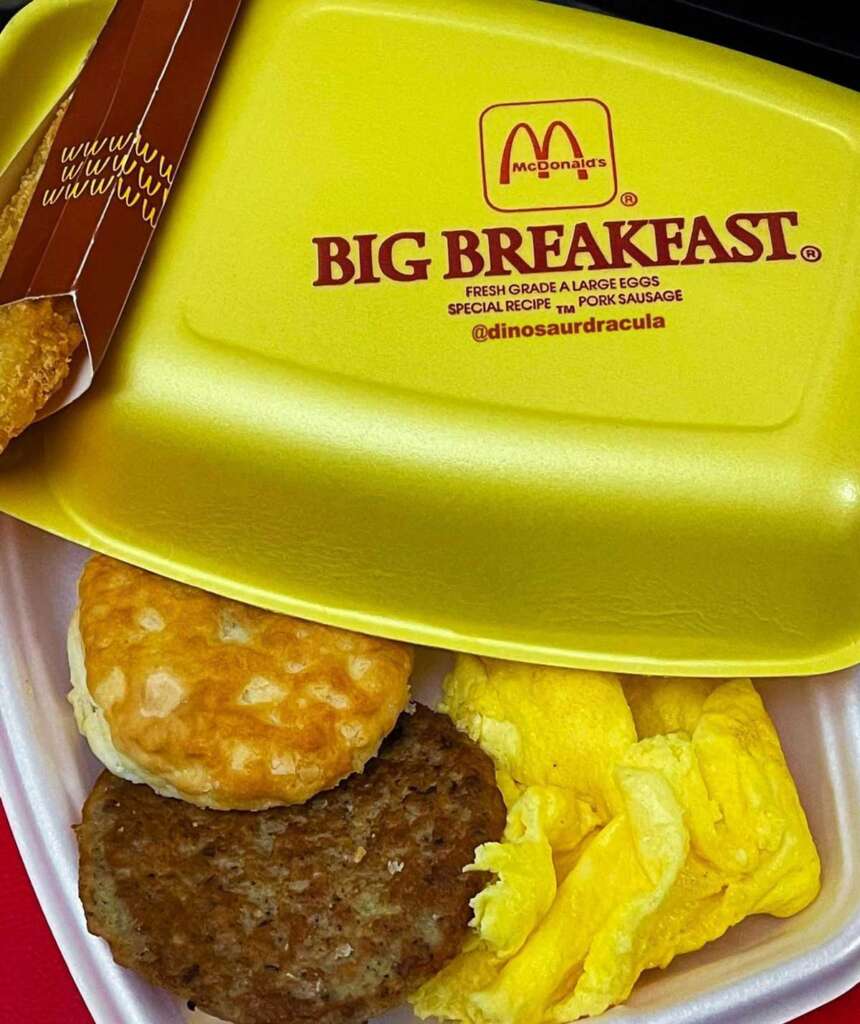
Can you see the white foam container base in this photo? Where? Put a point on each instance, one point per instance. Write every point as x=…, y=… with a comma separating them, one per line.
x=763, y=970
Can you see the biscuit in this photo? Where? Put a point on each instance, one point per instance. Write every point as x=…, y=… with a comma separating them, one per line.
x=221, y=704
x=37, y=338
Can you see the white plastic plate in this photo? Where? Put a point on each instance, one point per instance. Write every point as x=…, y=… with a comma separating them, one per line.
x=764, y=970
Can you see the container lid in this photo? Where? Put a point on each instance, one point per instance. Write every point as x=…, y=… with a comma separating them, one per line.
x=501, y=327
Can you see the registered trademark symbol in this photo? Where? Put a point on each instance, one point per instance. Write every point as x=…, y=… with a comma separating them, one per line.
x=629, y=199
x=810, y=253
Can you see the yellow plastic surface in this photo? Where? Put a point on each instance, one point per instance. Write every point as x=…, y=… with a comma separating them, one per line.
x=41, y=52
x=682, y=500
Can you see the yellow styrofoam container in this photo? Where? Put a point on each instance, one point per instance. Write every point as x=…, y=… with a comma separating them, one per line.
x=676, y=497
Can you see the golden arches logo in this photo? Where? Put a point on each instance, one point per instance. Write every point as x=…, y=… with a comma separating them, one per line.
x=541, y=149
x=553, y=154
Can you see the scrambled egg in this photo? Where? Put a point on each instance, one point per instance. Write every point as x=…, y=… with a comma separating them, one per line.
x=645, y=817
x=544, y=726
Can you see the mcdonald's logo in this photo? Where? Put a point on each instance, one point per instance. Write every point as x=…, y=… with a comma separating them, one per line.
x=548, y=155
x=542, y=164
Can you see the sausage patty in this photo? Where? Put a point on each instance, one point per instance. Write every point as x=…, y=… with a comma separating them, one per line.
x=331, y=911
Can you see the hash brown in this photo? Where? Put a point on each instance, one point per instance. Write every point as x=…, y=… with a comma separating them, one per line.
x=37, y=338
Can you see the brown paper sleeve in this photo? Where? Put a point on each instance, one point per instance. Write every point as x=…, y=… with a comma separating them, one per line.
x=114, y=162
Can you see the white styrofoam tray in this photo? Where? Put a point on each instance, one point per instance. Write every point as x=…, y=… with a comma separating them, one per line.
x=764, y=970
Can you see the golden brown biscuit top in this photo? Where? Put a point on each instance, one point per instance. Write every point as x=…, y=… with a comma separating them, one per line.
x=230, y=705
